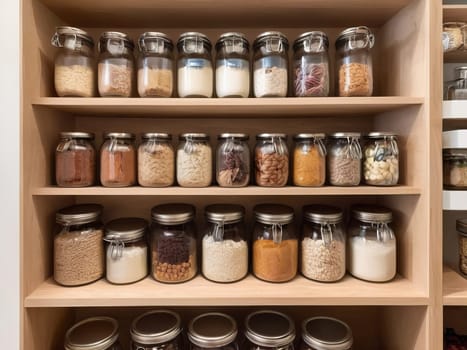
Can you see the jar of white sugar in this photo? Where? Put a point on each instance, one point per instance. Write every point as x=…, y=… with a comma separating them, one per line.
x=225, y=247
x=372, y=244
x=194, y=66
x=381, y=159
x=194, y=160
x=127, y=250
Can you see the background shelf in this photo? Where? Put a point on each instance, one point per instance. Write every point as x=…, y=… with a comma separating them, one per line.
x=455, y=200
x=454, y=288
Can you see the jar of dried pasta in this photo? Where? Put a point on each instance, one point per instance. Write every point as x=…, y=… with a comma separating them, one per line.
x=271, y=160
x=309, y=160
x=344, y=155
x=118, y=160
x=156, y=160
x=233, y=160
x=194, y=160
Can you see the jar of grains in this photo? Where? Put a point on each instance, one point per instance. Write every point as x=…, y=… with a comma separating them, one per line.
x=272, y=160
x=194, y=160
x=78, y=245
x=225, y=247
x=160, y=329
x=233, y=160
x=232, y=65
x=195, y=73
x=323, y=243
x=309, y=160
x=381, y=159
x=127, y=250
x=325, y=333
x=353, y=50
x=452, y=36
x=269, y=330
x=173, y=243
x=311, y=65
x=270, y=76
x=116, y=65
x=118, y=160
x=95, y=333
x=372, y=244
x=156, y=160
x=213, y=330
x=461, y=226
x=344, y=155
x=75, y=69
x=155, y=65
x=75, y=160
x=275, y=244
x=455, y=159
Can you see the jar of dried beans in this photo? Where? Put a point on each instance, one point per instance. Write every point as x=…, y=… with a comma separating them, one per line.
x=173, y=243
x=275, y=244
x=233, y=160
x=270, y=77
x=75, y=69
x=323, y=243
x=381, y=159
x=156, y=160
x=269, y=330
x=116, y=65
x=78, y=245
x=309, y=160
x=311, y=65
x=272, y=160
x=95, y=333
x=225, y=247
x=461, y=227
x=353, y=50
x=194, y=160
x=325, y=333
x=344, y=155
x=213, y=330
x=155, y=65
x=118, y=160
x=75, y=160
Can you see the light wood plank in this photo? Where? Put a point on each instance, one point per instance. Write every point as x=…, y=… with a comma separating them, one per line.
x=454, y=288
x=455, y=13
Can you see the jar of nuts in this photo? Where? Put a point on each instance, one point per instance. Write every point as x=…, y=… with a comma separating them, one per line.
x=381, y=159
x=272, y=160
x=344, y=159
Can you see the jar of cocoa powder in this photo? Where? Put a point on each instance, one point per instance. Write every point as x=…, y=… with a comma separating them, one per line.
x=272, y=160
x=118, y=160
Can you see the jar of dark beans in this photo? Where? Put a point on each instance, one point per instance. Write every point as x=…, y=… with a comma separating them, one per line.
x=233, y=160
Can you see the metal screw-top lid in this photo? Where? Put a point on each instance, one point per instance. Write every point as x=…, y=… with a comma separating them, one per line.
x=156, y=135
x=314, y=41
x=237, y=136
x=212, y=330
x=322, y=214
x=119, y=135
x=372, y=213
x=326, y=333
x=154, y=42
x=189, y=42
x=308, y=136
x=273, y=213
x=173, y=214
x=461, y=72
x=76, y=135
x=266, y=136
x=156, y=327
x=224, y=213
x=125, y=229
x=117, y=36
x=269, y=328
x=380, y=134
x=194, y=136
x=96, y=333
x=62, y=33
x=461, y=225
x=340, y=135
x=78, y=214
x=237, y=42
x=360, y=37
x=283, y=43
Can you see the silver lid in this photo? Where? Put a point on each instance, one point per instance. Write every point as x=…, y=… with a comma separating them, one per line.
x=233, y=38
x=273, y=213
x=71, y=32
x=338, y=135
x=454, y=24
x=156, y=135
x=173, y=214
x=265, y=136
x=261, y=38
x=224, y=213
x=372, y=213
x=119, y=135
x=314, y=41
x=125, y=39
x=125, y=229
x=239, y=136
x=212, y=330
x=156, y=327
x=78, y=214
x=76, y=135
x=363, y=30
x=326, y=333
x=269, y=328
x=380, y=134
x=194, y=36
x=309, y=136
x=95, y=333
x=194, y=136
x=147, y=39
x=322, y=214
x=461, y=225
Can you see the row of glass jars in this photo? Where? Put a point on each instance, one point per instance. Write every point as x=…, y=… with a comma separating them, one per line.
x=75, y=70
x=163, y=329
x=324, y=254
x=155, y=163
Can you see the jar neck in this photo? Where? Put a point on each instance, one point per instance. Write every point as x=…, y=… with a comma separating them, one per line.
x=380, y=230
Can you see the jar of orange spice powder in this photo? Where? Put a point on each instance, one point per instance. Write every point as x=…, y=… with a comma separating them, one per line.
x=118, y=160
x=309, y=160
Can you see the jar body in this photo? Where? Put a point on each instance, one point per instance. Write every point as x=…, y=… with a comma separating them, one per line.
x=344, y=162
x=233, y=163
x=272, y=162
x=455, y=168
x=381, y=162
x=453, y=38
x=156, y=163
x=463, y=253
x=232, y=77
x=75, y=163
x=155, y=75
x=305, y=346
x=194, y=163
x=118, y=163
x=174, y=344
x=126, y=262
x=231, y=346
x=252, y=346
x=309, y=163
x=311, y=73
x=116, y=70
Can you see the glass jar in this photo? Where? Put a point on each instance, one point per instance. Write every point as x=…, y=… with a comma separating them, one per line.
x=309, y=160
x=232, y=65
x=455, y=168
x=452, y=36
x=372, y=244
x=75, y=160
x=118, y=160
x=127, y=250
x=157, y=330
x=194, y=160
x=457, y=89
x=461, y=227
x=195, y=73
x=311, y=65
x=325, y=333
x=270, y=76
x=271, y=160
x=224, y=246
x=116, y=65
x=323, y=243
x=233, y=160
x=75, y=66
x=381, y=159
x=94, y=333
x=156, y=160
x=269, y=330
x=344, y=155
x=155, y=65
x=78, y=245
x=353, y=51
x=275, y=244
x=213, y=330
x=173, y=243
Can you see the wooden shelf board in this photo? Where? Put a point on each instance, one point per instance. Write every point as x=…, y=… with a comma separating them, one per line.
x=455, y=200
x=455, y=13
x=454, y=288
x=459, y=56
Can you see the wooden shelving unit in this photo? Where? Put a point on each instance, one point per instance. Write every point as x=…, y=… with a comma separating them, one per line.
x=454, y=288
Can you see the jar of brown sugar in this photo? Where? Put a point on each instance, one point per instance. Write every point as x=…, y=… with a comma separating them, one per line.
x=309, y=160
x=75, y=160
x=118, y=160
x=272, y=160
x=344, y=155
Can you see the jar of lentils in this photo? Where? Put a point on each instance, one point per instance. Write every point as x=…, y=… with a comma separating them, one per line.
x=344, y=155
x=381, y=159
x=325, y=333
x=271, y=160
x=233, y=160
x=194, y=160
x=269, y=330
x=95, y=333
x=156, y=160
x=213, y=330
x=309, y=160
